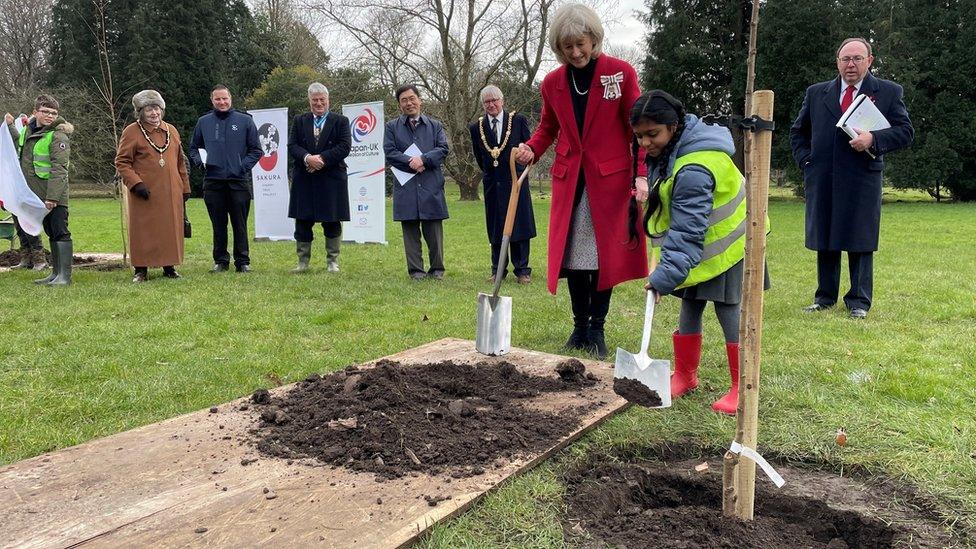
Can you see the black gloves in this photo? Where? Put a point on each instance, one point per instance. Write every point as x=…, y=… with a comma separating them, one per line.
x=140, y=190
x=186, y=196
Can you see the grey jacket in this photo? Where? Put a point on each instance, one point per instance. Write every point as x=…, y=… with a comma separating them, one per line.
x=691, y=202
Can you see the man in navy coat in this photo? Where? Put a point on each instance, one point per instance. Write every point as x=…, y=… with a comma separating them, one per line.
x=842, y=181
x=231, y=141
x=419, y=204
x=492, y=137
x=319, y=144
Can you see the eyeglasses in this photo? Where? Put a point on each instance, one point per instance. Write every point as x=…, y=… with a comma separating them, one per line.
x=857, y=59
x=48, y=112
x=490, y=101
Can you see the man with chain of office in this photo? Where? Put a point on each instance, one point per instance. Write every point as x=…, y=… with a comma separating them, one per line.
x=492, y=138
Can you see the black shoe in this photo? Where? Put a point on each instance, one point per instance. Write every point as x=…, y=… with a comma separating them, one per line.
x=597, y=345
x=219, y=268
x=859, y=314
x=577, y=340
x=418, y=276
x=816, y=307
x=140, y=276
x=243, y=268
x=170, y=272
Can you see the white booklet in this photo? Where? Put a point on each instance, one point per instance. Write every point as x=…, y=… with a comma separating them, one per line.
x=863, y=115
x=401, y=176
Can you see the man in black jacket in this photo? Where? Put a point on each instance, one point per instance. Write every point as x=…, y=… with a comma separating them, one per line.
x=230, y=141
x=319, y=144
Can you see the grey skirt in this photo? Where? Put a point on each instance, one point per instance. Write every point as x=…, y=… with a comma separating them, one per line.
x=725, y=288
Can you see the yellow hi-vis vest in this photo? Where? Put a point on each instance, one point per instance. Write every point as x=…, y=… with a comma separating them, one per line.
x=42, y=152
x=725, y=241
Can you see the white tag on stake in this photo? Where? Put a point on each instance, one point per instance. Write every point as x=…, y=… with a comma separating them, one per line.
x=737, y=448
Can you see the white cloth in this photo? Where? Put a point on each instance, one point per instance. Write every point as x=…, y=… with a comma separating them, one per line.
x=16, y=196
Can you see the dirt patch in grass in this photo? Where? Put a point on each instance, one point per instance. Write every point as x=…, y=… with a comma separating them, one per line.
x=658, y=503
x=9, y=258
x=394, y=419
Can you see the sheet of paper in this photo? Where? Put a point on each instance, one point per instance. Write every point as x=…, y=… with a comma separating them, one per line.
x=401, y=176
x=203, y=155
x=863, y=115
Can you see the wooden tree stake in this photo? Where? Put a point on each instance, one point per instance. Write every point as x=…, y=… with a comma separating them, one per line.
x=739, y=475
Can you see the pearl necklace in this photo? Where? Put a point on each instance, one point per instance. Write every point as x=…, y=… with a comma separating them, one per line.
x=573, y=80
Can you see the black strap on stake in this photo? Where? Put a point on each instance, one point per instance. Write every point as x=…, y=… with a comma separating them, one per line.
x=746, y=123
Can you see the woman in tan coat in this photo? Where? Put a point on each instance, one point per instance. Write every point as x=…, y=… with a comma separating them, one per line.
x=151, y=163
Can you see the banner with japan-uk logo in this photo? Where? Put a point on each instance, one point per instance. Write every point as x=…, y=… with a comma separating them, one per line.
x=270, y=176
x=367, y=183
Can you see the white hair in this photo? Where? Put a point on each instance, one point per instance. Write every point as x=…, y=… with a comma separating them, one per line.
x=573, y=21
x=317, y=87
x=491, y=90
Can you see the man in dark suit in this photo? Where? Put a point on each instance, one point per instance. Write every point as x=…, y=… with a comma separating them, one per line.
x=418, y=204
x=492, y=137
x=842, y=176
x=319, y=144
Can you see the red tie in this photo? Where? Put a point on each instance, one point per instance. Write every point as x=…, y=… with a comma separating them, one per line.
x=848, y=98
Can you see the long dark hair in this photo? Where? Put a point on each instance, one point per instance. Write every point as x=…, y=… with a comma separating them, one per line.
x=659, y=107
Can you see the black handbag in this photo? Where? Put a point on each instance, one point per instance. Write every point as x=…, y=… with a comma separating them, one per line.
x=187, y=228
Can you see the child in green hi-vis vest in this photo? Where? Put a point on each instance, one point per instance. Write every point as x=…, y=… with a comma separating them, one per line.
x=695, y=216
x=44, y=146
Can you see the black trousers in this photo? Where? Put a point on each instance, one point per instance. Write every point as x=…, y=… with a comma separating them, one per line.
x=27, y=242
x=56, y=224
x=862, y=279
x=303, y=229
x=518, y=257
x=228, y=199
x=590, y=306
x=433, y=233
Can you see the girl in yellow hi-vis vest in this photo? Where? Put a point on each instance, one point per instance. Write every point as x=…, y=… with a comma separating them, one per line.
x=695, y=215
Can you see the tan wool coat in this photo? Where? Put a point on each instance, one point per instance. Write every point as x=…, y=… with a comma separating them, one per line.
x=155, y=225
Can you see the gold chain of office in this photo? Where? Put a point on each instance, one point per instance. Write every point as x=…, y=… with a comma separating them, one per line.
x=495, y=151
x=155, y=147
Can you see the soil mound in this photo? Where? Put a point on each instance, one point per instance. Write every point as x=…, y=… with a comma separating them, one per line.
x=645, y=504
x=636, y=392
x=392, y=419
x=9, y=258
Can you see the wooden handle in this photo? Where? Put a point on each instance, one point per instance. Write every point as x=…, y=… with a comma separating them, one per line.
x=514, y=197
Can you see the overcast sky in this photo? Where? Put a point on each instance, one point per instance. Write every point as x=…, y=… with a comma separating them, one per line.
x=627, y=30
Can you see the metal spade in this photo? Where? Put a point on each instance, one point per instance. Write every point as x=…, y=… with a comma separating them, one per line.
x=655, y=374
x=494, y=332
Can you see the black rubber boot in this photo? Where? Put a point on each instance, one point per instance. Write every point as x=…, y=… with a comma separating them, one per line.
x=62, y=251
x=599, y=307
x=304, y=251
x=54, y=267
x=579, y=297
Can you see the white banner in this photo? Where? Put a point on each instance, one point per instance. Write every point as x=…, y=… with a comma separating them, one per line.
x=15, y=195
x=270, y=177
x=367, y=183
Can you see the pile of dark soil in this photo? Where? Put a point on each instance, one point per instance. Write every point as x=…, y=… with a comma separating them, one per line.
x=650, y=504
x=636, y=392
x=392, y=419
x=9, y=258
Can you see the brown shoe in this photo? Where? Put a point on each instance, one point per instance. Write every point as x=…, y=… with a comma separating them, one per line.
x=524, y=279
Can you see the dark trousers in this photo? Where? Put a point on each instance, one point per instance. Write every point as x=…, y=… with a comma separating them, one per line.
x=223, y=203
x=433, y=233
x=27, y=242
x=518, y=257
x=56, y=224
x=590, y=306
x=303, y=229
x=862, y=279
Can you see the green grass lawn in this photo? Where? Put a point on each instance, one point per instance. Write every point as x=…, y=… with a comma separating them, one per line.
x=104, y=355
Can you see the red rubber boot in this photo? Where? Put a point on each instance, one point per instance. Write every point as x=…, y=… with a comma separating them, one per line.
x=727, y=404
x=687, y=355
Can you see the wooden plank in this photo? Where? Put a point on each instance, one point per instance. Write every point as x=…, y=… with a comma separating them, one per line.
x=161, y=483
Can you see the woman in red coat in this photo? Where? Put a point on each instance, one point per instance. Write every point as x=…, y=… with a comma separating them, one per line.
x=586, y=109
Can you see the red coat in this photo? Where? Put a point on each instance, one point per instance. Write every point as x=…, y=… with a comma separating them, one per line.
x=607, y=162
